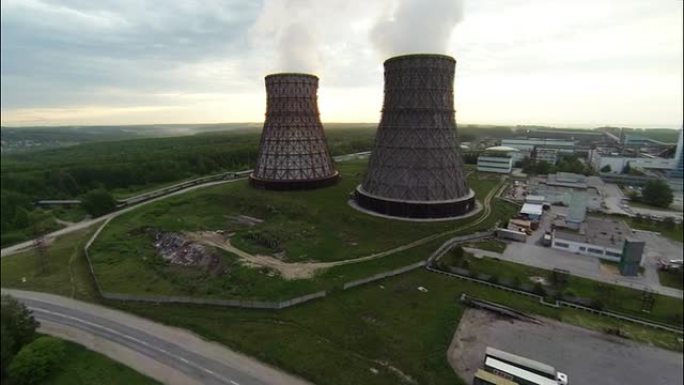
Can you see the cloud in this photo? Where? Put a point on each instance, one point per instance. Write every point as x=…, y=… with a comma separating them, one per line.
x=69, y=61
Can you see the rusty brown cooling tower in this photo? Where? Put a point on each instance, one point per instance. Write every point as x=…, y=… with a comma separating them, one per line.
x=415, y=168
x=293, y=153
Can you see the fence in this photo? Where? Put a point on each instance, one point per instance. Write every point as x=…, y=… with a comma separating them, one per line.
x=379, y=276
x=452, y=242
x=559, y=303
x=189, y=300
x=215, y=302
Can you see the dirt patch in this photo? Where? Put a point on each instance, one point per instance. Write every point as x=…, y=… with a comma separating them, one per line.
x=179, y=250
x=610, y=269
x=245, y=220
x=295, y=270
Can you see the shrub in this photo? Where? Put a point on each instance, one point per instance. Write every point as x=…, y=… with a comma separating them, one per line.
x=657, y=193
x=98, y=202
x=539, y=289
x=36, y=361
x=597, y=304
x=18, y=328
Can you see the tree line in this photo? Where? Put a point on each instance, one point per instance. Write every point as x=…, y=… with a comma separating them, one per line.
x=93, y=170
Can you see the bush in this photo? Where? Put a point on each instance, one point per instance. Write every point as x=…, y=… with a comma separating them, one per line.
x=597, y=304
x=606, y=168
x=539, y=289
x=657, y=193
x=17, y=326
x=98, y=202
x=36, y=361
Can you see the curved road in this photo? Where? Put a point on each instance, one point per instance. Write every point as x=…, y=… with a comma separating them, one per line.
x=170, y=355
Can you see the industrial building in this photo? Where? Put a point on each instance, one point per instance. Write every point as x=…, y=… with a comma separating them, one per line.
x=293, y=152
x=598, y=237
x=608, y=162
x=415, y=168
x=548, y=155
x=548, y=149
x=677, y=171
x=498, y=159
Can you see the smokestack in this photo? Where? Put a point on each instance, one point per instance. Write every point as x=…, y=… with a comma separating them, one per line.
x=293, y=153
x=415, y=169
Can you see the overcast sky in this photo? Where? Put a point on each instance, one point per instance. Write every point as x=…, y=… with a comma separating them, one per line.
x=558, y=62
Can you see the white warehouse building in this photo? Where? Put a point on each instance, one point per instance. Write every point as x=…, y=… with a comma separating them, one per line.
x=617, y=163
x=497, y=159
x=596, y=237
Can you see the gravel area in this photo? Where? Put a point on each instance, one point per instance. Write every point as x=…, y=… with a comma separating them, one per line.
x=586, y=356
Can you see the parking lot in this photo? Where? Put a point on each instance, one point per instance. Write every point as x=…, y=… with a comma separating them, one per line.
x=587, y=357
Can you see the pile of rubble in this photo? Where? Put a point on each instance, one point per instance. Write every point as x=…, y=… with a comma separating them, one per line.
x=179, y=250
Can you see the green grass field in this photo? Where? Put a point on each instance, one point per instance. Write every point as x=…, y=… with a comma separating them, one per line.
x=314, y=225
x=383, y=324
x=614, y=298
x=62, y=270
x=85, y=367
x=671, y=278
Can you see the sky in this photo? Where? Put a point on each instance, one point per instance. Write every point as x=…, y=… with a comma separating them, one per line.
x=582, y=63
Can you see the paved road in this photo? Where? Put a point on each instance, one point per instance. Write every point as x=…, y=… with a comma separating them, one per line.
x=586, y=356
x=170, y=355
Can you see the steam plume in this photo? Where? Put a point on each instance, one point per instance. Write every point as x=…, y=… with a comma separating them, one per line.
x=416, y=26
x=290, y=27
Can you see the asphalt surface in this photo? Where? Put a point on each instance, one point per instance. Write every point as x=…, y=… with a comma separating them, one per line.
x=587, y=357
x=178, y=350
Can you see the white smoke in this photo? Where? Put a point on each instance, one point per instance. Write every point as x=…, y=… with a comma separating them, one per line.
x=298, y=48
x=416, y=26
x=291, y=29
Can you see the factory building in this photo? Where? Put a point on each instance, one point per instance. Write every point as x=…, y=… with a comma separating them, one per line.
x=677, y=171
x=548, y=155
x=598, y=237
x=540, y=148
x=498, y=159
x=606, y=162
x=415, y=169
x=293, y=152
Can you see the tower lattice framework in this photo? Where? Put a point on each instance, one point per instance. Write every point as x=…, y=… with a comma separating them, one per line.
x=415, y=168
x=293, y=152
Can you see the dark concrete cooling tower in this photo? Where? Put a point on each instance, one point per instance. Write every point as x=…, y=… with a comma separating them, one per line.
x=415, y=168
x=293, y=153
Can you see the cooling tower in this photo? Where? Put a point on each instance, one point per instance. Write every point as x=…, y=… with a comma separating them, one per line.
x=415, y=168
x=293, y=153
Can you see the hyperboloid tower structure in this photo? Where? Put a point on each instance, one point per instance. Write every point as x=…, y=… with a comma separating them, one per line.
x=293, y=153
x=415, y=168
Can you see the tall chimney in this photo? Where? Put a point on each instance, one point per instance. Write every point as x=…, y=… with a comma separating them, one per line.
x=293, y=153
x=415, y=168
